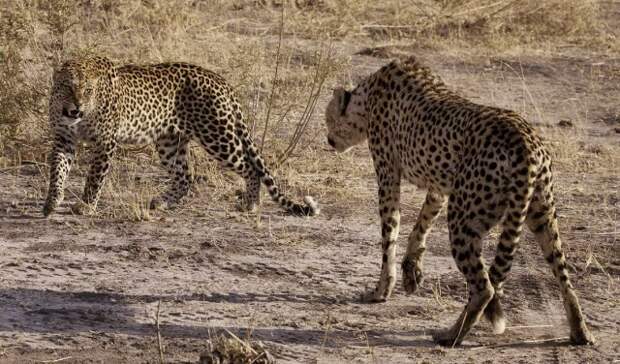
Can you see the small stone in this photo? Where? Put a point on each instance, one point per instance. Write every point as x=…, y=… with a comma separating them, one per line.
x=566, y=123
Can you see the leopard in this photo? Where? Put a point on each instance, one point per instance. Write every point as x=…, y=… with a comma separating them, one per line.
x=487, y=164
x=93, y=100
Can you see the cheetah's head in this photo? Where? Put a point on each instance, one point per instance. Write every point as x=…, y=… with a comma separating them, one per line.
x=346, y=120
x=77, y=86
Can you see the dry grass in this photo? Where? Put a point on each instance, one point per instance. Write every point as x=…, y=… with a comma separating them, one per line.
x=502, y=23
x=241, y=40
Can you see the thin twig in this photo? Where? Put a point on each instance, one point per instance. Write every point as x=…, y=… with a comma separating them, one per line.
x=481, y=7
x=241, y=341
x=507, y=6
x=23, y=164
x=315, y=91
x=382, y=26
x=528, y=327
x=521, y=76
x=222, y=25
x=159, y=341
x=258, y=357
x=275, y=80
x=418, y=5
x=55, y=360
x=521, y=342
x=460, y=329
x=328, y=326
x=605, y=233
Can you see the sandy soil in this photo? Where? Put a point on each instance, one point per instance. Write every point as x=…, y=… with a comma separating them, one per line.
x=86, y=289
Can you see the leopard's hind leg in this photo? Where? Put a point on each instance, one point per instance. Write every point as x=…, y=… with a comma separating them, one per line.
x=249, y=199
x=173, y=152
x=230, y=152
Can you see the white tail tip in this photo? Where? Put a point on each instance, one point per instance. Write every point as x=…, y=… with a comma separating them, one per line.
x=499, y=326
x=314, y=206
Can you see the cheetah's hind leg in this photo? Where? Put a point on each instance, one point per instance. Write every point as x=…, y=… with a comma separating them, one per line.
x=542, y=222
x=466, y=234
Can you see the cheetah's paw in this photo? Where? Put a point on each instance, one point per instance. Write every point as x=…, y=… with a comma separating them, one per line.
x=412, y=275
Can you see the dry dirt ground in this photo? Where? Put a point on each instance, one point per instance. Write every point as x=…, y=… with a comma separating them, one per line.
x=85, y=289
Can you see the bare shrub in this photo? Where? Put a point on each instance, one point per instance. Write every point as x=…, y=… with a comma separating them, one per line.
x=233, y=350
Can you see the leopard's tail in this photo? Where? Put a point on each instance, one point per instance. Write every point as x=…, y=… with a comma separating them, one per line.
x=310, y=206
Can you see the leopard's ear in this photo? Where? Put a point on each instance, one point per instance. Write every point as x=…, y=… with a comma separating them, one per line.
x=344, y=97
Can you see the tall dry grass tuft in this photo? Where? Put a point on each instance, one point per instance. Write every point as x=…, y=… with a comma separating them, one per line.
x=18, y=98
x=33, y=39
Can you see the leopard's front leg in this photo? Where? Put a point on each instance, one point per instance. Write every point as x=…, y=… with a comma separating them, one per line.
x=388, y=178
x=100, y=166
x=61, y=158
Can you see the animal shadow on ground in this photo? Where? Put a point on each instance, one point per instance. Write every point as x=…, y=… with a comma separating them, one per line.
x=53, y=312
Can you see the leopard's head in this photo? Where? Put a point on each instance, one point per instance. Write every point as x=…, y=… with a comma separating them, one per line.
x=78, y=85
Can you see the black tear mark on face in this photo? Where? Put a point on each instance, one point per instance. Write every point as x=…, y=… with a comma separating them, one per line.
x=345, y=102
x=331, y=142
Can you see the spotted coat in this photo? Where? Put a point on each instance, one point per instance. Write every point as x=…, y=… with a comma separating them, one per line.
x=169, y=104
x=488, y=164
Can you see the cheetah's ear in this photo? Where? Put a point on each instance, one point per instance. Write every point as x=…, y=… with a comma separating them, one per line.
x=344, y=97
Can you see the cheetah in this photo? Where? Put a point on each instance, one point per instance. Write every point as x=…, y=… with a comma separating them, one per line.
x=486, y=163
x=169, y=104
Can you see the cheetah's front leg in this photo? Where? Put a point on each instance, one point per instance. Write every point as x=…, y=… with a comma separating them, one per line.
x=61, y=159
x=100, y=166
x=389, y=205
